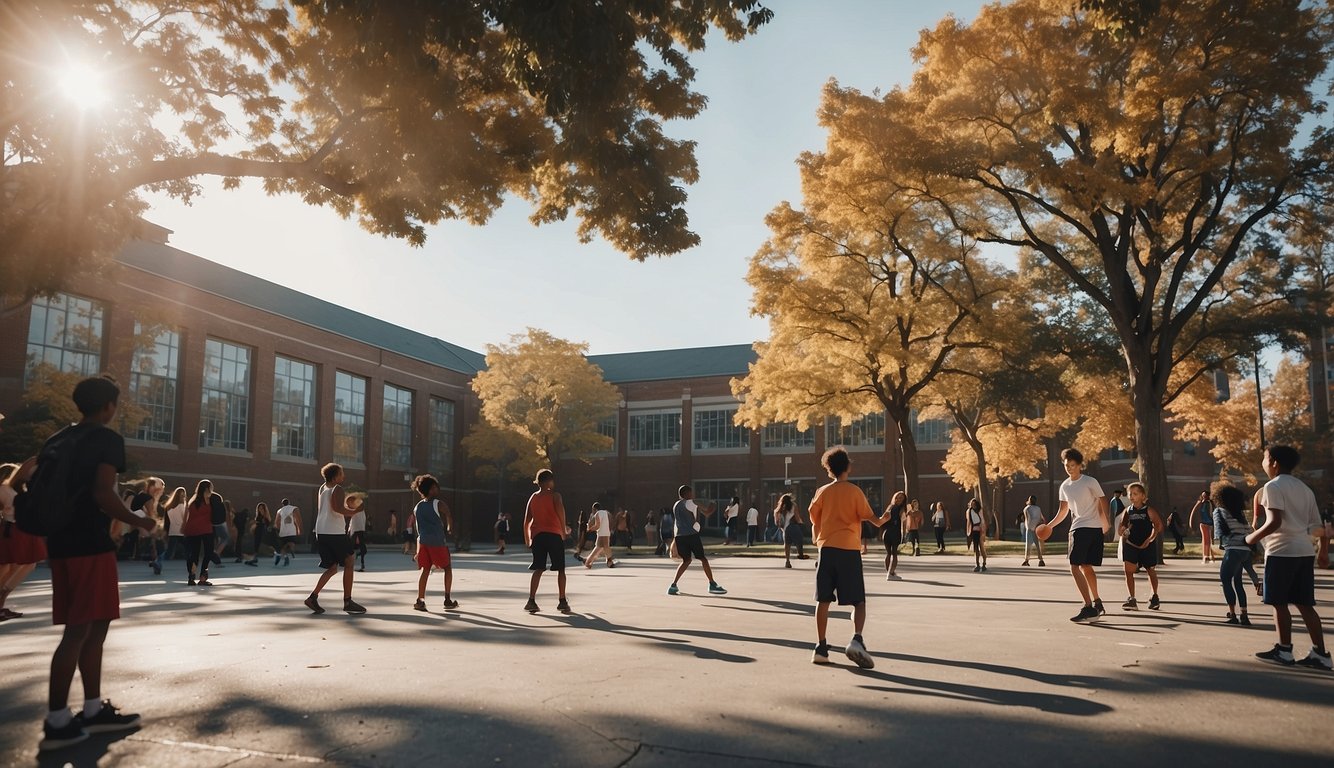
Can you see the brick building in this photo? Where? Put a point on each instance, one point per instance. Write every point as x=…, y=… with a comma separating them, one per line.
x=255, y=385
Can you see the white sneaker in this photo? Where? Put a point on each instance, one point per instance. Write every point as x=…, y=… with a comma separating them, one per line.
x=857, y=652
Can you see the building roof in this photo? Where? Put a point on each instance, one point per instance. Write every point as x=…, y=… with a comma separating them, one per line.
x=156, y=257
x=658, y=365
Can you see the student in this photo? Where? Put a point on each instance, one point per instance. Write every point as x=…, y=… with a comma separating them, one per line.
x=410, y=535
x=665, y=532
x=730, y=517
x=599, y=520
x=544, y=532
x=220, y=514
x=941, y=522
x=1232, y=529
x=1200, y=513
x=836, y=513
x=1083, y=500
x=502, y=531
x=688, y=543
x=892, y=533
x=651, y=529
x=85, y=589
x=786, y=511
x=1291, y=516
x=356, y=530
x=289, y=529
x=1174, y=528
x=259, y=528
x=198, y=529
x=1116, y=505
x=433, y=528
x=175, y=519
x=752, y=524
x=20, y=552
x=1032, y=515
x=331, y=539
x=912, y=523
x=1141, y=526
x=623, y=530
x=976, y=525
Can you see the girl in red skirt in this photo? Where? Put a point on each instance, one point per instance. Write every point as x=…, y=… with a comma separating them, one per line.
x=19, y=552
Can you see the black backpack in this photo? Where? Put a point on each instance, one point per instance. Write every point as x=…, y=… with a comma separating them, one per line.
x=46, y=506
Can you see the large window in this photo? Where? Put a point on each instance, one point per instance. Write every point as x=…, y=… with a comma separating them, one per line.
x=610, y=427
x=225, y=403
x=442, y=439
x=720, y=492
x=293, y=408
x=349, y=426
x=153, y=377
x=396, y=427
x=932, y=431
x=786, y=435
x=869, y=430
x=714, y=429
x=659, y=431
x=65, y=333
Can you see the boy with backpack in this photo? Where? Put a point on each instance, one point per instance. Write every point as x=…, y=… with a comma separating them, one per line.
x=71, y=492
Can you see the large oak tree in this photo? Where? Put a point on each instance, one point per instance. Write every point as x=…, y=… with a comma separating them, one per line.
x=398, y=113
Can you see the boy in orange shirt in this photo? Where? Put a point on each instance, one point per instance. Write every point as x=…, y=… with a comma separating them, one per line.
x=836, y=513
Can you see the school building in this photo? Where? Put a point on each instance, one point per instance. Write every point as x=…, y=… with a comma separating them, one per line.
x=255, y=385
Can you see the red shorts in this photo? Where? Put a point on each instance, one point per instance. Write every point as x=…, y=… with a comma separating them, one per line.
x=84, y=589
x=432, y=556
x=20, y=548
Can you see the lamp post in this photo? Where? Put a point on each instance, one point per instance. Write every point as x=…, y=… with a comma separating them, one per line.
x=1259, y=401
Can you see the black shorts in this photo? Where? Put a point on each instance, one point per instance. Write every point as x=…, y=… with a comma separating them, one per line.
x=548, y=546
x=792, y=534
x=838, y=575
x=408, y=536
x=1085, y=546
x=1144, y=558
x=691, y=546
x=893, y=538
x=334, y=548
x=285, y=540
x=1289, y=580
x=974, y=539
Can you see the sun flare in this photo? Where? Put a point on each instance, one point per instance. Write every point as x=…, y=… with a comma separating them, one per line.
x=83, y=86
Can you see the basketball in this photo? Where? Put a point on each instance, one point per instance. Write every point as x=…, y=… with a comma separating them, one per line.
x=1043, y=531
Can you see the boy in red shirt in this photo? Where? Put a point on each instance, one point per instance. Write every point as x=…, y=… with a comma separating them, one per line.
x=544, y=531
x=836, y=513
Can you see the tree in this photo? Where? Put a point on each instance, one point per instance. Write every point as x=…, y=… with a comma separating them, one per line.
x=47, y=407
x=1144, y=167
x=402, y=114
x=866, y=307
x=544, y=391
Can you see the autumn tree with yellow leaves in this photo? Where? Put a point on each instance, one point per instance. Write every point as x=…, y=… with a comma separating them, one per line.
x=541, y=399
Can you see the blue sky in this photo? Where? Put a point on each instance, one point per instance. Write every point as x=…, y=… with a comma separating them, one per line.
x=477, y=285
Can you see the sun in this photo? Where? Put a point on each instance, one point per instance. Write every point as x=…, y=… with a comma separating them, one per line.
x=82, y=86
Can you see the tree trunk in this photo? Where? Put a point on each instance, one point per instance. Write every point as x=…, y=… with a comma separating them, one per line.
x=908, y=444
x=1152, y=466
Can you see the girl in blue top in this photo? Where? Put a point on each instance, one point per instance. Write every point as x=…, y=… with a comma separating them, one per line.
x=1231, y=527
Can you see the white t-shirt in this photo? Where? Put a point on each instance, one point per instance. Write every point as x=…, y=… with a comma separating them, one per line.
x=327, y=521
x=286, y=523
x=176, y=516
x=603, y=521
x=1301, y=516
x=1032, y=516
x=752, y=516
x=732, y=511
x=357, y=523
x=1082, y=495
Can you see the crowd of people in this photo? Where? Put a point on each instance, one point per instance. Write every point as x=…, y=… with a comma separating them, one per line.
x=141, y=519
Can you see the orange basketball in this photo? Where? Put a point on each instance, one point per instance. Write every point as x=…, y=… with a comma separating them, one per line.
x=1043, y=531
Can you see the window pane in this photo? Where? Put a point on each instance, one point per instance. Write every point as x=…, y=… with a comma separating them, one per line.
x=396, y=427
x=153, y=378
x=713, y=428
x=65, y=332
x=869, y=430
x=442, y=440
x=225, y=401
x=293, y=408
x=655, y=431
x=349, y=418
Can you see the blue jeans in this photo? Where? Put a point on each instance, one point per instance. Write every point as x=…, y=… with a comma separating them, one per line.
x=1229, y=573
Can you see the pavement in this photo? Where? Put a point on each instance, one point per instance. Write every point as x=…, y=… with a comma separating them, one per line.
x=973, y=669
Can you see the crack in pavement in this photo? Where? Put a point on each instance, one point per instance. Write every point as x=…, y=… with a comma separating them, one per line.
x=240, y=753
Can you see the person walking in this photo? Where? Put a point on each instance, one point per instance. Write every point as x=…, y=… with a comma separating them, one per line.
x=221, y=516
x=239, y=531
x=836, y=513
x=502, y=532
x=786, y=510
x=976, y=525
x=199, y=532
x=752, y=524
x=651, y=530
x=940, y=520
x=1174, y=528
x=665, y=532
x=1230, y=524
x=1291, y=515
x=730, y=516
x=1032, y=515
x=688, y=543
x=289, y=530
x=334, y=545
x=912, y=523
x=259, y=529
x=20, y=551
x=599, y=520
x=175, y=518
x=623, y=530
x=356, y=530
x=544, y=532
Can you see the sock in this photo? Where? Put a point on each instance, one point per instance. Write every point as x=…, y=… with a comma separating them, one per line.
x=858, y=638
x=59, y=718
x=1287, y=647
x=822, y=642
x=91, y=707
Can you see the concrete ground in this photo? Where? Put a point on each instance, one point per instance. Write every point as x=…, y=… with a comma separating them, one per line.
x=971, y=669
